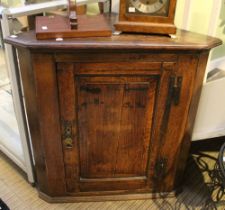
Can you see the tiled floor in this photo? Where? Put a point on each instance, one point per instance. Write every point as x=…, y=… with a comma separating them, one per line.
x=198, y=191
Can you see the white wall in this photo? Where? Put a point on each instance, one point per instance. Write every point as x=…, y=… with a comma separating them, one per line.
x=207, y=18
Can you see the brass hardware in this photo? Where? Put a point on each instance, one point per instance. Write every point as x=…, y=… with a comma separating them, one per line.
x=68, y=142
x=67, y=134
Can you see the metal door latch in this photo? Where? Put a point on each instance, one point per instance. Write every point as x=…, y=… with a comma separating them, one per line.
x=67, y=134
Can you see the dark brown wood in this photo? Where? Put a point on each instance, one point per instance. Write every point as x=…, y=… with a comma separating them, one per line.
x=186, y=143
x=132, y=111
x=48, y=119
x=28, y=84
x=137, y=27
x=184, y=41
x=93, y=198
x=72, y=14
x=60, y=27
x=169, y=147
x=146, y=23
x=112, y=124
x=109, y=123
x=122, y=57
x=67, y=99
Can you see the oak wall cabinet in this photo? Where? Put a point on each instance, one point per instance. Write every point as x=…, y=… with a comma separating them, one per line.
x=111, y=118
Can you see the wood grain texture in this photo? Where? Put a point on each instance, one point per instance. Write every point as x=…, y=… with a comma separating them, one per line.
x=147, y=23
x=160, y=127
x=115, y=59
x=184, y=41
x=145, y=27
x=59, y=27
x=145, y=18
x=48, y=119
x=29, y=89
x=101, y=198
x=114, y=134
x=67, y=102
x=186, y=143
x=130, y=113
x=174, y=132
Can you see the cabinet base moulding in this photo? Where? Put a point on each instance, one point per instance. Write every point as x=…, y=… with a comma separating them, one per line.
x=100, y=198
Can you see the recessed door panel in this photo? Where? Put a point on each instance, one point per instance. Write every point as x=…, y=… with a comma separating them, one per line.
x=114, y=123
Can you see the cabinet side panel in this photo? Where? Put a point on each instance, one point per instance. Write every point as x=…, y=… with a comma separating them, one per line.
x=28, y=84
x=186, y=142
x=48, y=114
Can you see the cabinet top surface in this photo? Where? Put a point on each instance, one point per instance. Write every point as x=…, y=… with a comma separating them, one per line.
x=183, y=40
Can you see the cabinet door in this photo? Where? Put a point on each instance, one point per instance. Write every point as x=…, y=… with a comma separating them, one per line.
x=107, y=117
